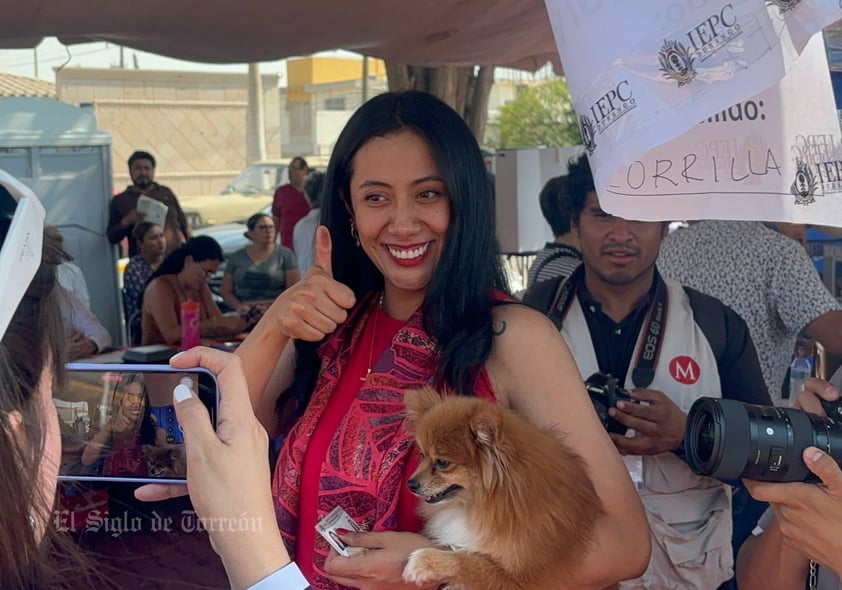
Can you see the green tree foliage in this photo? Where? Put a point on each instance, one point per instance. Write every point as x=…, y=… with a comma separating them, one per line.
x=540, y=115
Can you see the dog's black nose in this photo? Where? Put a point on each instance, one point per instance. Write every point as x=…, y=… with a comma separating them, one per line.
x=414, y=486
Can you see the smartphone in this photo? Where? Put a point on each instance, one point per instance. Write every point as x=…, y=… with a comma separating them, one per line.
x=118, y=422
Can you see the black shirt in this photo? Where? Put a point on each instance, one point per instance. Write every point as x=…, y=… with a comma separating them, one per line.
x=613, y=342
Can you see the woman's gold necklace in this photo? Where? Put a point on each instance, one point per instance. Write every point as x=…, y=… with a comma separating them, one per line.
x=373, y=337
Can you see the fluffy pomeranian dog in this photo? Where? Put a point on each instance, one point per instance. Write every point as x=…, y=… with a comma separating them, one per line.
x=514, y=503
x=167, y=461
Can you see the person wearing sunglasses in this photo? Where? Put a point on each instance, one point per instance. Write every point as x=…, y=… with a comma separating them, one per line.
x=184, y=275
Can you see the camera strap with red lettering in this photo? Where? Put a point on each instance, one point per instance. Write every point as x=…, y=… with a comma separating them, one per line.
x=643, y=372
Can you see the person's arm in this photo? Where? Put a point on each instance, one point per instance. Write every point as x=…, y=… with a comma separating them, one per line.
x=116, y=230
x=766, y=561
x=181, y=218
x=827, y=329
x=160, y=300
x=309, y=310
x=290, y=265
x=802, y=301
x=94, y=448
x=133, y=286
x=85, y=322
x=277, y=208
x=809, y=515
x=227, y=291
x=534, y=374
x=120, y=224
x=291, y=277
x=229, y=478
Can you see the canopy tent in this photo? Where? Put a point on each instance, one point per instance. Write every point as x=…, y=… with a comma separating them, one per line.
x=433, y=32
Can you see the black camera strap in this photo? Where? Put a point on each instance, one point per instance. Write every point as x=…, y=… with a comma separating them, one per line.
x=655, y=324
x=650, y=348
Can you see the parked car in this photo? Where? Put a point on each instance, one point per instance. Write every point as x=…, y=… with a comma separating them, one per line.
x=251, y=190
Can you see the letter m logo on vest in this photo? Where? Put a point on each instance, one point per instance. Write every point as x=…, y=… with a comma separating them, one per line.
x=685, y=370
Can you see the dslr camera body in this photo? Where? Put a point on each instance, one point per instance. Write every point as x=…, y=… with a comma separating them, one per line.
x=605, y=392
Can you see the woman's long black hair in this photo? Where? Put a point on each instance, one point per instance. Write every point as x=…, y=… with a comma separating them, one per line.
x=459, y=300
x=201, y=248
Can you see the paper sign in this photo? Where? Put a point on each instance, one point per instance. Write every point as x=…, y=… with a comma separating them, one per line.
x=772, y=157
x=644, y=73
x=156, y=211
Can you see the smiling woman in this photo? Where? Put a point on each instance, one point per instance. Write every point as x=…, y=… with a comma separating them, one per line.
x=406, y=290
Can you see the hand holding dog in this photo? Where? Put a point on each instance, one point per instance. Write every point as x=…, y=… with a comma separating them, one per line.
x=659, y=424
x=313, y=307
x=380, y=566
x=809, y=515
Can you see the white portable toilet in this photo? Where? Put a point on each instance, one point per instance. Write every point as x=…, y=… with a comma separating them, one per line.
x=58, y=151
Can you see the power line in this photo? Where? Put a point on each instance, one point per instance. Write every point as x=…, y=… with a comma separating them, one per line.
x=59, y=57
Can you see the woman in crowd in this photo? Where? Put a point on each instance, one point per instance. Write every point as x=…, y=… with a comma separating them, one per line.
x=152, y=246
x=32, y=353
x=127, y=427
x=183, y=276
x=32, y=553
x=407, y=289
x=258, y=273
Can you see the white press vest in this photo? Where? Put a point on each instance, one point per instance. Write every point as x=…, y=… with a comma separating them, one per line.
x=689, y=515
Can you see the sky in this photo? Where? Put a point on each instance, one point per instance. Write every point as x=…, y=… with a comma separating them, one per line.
x=52, y=54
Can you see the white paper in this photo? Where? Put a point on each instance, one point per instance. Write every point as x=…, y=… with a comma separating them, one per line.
x=643, y=73
x=772, y=157
x=156, y=211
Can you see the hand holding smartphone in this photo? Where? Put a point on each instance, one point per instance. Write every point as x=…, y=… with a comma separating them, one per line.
x=118, y=422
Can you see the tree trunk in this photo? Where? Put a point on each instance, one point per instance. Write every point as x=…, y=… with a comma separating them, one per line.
x=466, y=89
x=476, y=106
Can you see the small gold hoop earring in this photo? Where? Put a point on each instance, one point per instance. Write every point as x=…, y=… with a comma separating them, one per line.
x=354, y=233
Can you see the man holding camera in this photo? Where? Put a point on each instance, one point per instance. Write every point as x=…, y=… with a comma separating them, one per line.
x=667, y=345
x=803, y=521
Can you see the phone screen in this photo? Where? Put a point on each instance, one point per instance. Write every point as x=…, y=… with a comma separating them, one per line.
x=118, y=421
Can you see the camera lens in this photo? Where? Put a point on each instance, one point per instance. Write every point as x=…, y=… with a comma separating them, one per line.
x=706, y=438
x=727, y=439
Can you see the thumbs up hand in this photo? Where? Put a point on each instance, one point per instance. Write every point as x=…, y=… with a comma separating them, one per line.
x=313, y=307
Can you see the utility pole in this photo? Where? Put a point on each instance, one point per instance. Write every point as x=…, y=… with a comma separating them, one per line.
x=365, y=78
x=35, y=54
x=255, y=126
x=122, y=57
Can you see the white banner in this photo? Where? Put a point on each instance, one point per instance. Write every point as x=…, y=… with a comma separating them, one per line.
x=644, y=73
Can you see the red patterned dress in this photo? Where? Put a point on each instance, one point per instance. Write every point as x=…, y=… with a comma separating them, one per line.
x=350, y=448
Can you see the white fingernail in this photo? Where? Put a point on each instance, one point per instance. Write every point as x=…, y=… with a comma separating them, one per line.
x=181, y=393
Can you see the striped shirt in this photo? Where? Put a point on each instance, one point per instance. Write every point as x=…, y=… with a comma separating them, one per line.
x=555, y=260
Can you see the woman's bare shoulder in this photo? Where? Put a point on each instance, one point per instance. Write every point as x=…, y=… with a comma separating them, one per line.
x=514, y=321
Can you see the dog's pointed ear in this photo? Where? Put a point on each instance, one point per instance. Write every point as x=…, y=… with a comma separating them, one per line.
x=485, y=426
x=418, y=402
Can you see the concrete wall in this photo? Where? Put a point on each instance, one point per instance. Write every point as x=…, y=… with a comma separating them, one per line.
x=194, y=123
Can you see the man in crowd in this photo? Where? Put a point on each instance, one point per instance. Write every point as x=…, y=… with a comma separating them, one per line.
x=290, y=202
x=560, y=257
x=668, y=345
x=124, y=215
